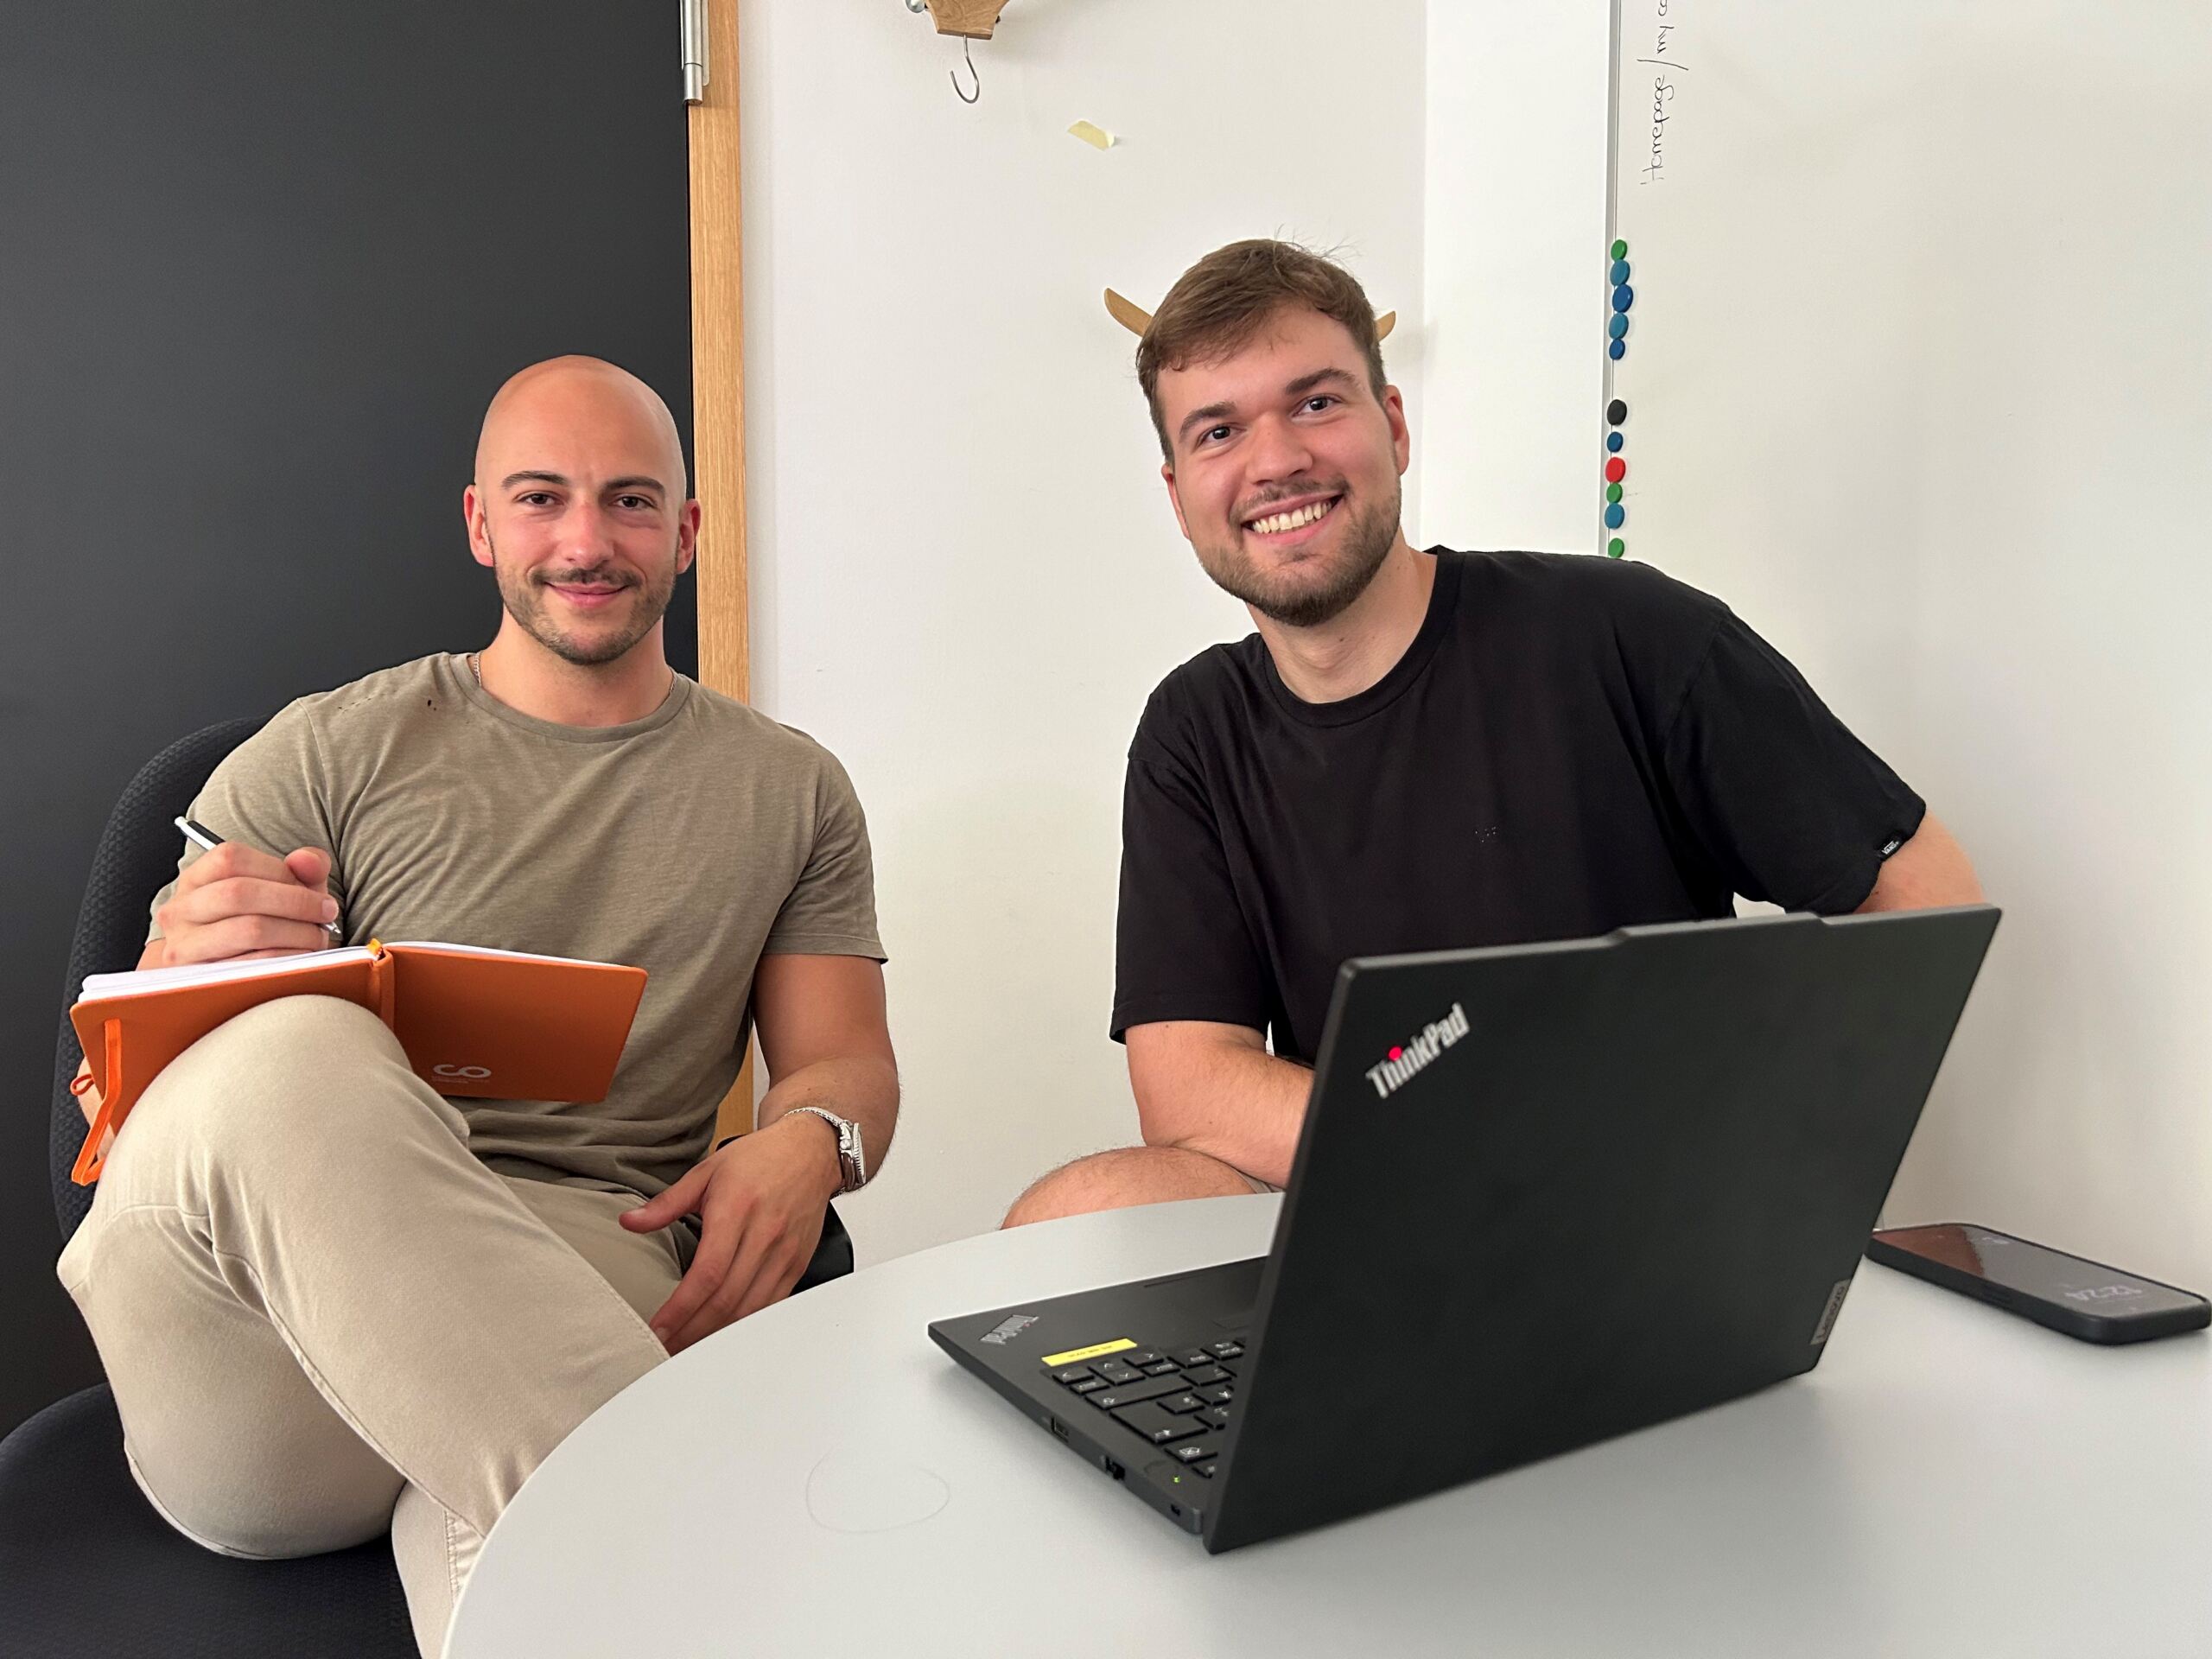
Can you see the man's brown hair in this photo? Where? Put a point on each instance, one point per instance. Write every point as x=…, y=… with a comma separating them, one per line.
x=1221, y=303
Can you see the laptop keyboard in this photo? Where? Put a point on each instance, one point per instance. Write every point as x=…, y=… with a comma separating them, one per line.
x=1175, y=1400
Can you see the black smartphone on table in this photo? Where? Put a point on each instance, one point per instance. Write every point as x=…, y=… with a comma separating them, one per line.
x=2081, y=1298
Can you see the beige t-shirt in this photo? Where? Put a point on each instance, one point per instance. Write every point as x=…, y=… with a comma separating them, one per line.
x=688, y=843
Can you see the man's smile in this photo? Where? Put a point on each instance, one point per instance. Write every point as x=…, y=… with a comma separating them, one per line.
x=588, y=595
x=1286, y=524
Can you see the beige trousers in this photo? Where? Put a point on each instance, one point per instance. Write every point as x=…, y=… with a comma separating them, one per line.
x=322, y=1317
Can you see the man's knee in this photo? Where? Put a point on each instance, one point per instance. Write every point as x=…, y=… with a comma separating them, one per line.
x=1126, y=1176
x=263, y=1077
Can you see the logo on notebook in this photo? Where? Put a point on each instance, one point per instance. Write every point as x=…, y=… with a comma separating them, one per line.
x=475, y=1071
x=1012, y=1328
x=1406, y=1061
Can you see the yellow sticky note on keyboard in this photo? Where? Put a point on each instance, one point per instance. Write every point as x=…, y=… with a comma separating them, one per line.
x=1076, y=1355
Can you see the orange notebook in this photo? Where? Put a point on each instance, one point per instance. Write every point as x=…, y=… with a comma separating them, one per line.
x=493, y=1024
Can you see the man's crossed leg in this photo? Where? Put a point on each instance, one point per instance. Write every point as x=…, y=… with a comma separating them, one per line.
x=322, y=1316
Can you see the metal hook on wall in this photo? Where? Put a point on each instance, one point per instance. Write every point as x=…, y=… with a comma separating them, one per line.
x=953, y=75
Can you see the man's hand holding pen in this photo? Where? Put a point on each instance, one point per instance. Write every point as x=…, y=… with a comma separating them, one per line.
x=235, y=901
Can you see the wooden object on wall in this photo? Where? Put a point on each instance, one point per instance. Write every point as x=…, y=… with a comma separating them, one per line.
x=972, y=19
x=718, y=409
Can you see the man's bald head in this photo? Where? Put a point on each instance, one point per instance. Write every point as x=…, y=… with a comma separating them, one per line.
x=580, y=507
x=578, y=391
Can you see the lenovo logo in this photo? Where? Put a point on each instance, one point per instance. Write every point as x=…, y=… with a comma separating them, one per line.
x=1406, y=1062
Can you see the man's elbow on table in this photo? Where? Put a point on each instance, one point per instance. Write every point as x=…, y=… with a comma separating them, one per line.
x=1930, y=870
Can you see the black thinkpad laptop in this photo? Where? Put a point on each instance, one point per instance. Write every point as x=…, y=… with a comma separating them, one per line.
x=1545, y=1194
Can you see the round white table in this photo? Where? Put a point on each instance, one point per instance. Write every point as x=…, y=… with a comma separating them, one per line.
x=821, y=1479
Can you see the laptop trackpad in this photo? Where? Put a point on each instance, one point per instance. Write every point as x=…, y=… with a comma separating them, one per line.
x=1224, y=1294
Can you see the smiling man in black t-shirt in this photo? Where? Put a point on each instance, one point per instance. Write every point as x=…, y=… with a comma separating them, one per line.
x=1418, y=751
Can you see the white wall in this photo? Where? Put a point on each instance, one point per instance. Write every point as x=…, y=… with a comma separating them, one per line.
x=1514, y=296
x=966, y=577
x=1922, y=392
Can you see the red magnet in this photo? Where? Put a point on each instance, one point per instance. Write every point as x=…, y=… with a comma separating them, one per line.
x=1616, y=470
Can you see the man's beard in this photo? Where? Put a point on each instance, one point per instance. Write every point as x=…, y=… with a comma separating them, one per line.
x=523, y=593
x=1295, y=598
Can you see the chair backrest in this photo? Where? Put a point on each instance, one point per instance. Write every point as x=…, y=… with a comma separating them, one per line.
x=136, y=856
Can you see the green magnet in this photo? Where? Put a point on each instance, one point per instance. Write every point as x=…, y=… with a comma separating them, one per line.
x=1615, y=548
x=1620, y=250
x=1613, y=492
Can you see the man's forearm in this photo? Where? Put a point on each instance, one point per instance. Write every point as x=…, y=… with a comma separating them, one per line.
x=864, y=1090
x=1240, y=1105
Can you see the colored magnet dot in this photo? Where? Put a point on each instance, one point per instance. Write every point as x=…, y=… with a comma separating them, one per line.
x=1612, y=443
x=1616, y=412
x=1615, y=548
x=1614, y=516
x=1618, y=350
x=1623, y=297
x=1617, y=326
x=1619, y=272
x=1613, y=492
x=1616, y=470
x=1620, y=250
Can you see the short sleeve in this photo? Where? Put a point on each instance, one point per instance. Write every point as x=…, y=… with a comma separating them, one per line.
x=1792, y=809
x=831, y=909
x=269, y=792
x=1182, y=951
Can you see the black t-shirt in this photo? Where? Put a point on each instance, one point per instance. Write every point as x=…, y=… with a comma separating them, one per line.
x=1570, y=745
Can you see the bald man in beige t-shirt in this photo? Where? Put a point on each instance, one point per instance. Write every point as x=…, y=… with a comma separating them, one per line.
x=330, y=1300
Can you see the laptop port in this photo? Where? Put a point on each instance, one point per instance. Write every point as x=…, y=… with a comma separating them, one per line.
x=1113, y=1468
x=1059, y=1429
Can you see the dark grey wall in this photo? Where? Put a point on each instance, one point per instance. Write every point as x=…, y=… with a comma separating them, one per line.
x=261, y=265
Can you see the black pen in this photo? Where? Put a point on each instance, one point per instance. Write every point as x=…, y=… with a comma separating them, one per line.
x=207, y=840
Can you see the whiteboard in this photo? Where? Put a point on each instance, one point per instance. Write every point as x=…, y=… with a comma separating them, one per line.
x=1918, y=372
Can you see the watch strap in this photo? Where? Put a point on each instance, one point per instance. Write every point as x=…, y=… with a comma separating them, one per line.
x=852, y=1162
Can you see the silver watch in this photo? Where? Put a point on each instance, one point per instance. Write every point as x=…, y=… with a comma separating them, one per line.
x=852, y=1161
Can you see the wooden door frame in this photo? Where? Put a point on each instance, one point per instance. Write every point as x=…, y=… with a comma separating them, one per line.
x=718, y=408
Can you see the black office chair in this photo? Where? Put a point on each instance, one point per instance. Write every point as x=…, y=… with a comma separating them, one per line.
x=86, y=1566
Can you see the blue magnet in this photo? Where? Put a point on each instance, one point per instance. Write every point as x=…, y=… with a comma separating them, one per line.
x=1619, y=272
x=1612, y=443
x=1618, y=350
x=1623, y=297
x=1617, y=326
x=1614, y=516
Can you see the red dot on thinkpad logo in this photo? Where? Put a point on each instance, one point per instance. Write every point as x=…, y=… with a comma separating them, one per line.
x=1396, y=1054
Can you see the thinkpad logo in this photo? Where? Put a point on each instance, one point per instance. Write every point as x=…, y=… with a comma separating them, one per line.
x=1406, y=1062
x=1007, y=1331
